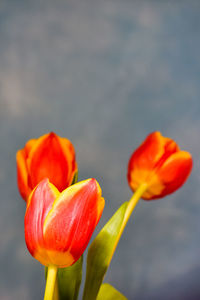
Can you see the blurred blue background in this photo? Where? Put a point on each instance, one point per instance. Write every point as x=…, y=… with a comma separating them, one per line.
x=104, y=74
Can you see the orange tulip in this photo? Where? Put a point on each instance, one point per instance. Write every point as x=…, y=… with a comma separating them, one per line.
x=48, y=156
x=58, y=226
x=160, y=164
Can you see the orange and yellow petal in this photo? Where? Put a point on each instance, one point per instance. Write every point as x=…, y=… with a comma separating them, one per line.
x=72, y=219
x=29, y=146
x=22, y=174
x=48, y=257
x=49, y=156
x=69, y=152
x=161, y=164
x=155, y=185
x=175, y=171
x=148, y=153
x=46, y=159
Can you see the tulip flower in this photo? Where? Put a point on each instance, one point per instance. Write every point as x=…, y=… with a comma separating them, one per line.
x=58, y=226
x=49, y=156
x=160, y=164
x=157, y=168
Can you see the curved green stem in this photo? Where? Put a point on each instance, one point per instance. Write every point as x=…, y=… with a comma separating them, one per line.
x=56, y=291
x=133, y=202
x=130, y=207
x=50, y=283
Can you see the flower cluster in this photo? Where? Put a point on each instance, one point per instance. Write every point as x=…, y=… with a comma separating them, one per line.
x=60, y=218
x=62, y=214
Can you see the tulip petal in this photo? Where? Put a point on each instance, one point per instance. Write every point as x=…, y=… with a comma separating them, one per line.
x=39, y=204
x=175, y=171
x=22, y=175
x=153, y=151
x=148, y=153
x=49, y=156
x=72, y=220
x=69, y=153
x=47, y=159
x=157, y=162
x=29, y=145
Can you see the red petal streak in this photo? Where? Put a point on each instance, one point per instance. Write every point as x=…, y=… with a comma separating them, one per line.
x=39, y=204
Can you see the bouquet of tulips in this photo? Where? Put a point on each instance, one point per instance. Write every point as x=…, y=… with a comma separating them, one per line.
x=61, y=213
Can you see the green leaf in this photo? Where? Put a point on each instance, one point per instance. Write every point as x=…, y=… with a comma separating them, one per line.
x=75, y=178
x=108, y=292
x=100, y=253
x=69, y=280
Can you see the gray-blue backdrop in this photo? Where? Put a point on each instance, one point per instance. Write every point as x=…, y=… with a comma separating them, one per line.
x=104, y=74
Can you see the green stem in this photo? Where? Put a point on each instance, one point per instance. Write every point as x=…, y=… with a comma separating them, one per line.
x=130, y=207
x=133, y=202
x=50, y=283
x=56, y=291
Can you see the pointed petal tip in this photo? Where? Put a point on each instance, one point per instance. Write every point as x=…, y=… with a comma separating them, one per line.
x=52, y=134
x=94, y=185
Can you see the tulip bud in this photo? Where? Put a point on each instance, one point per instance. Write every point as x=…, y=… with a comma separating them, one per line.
x=160, y=164
x=58, y=226
x=49, y=156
